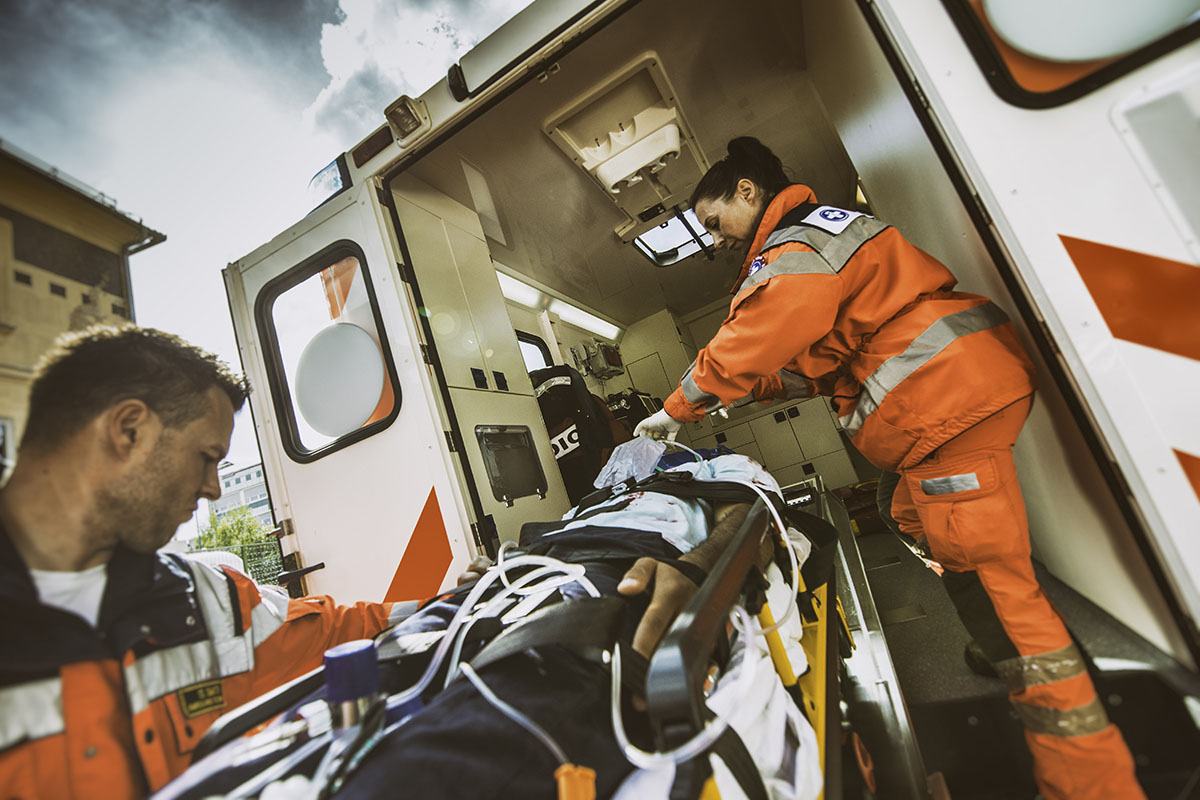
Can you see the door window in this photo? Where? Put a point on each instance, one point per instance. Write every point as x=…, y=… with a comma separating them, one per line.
x=329, y=364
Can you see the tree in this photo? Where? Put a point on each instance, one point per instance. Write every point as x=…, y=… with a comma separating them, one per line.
x=237, y=527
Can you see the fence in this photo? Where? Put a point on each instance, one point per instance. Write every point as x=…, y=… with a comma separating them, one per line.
x=262, y=559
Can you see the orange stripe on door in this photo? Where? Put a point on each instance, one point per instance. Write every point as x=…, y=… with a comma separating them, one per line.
x=426, y=558
x=1144, y=299
x=1191, y=468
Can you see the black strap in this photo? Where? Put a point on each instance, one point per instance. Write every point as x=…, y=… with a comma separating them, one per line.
x=729, y=747
x=587, y=623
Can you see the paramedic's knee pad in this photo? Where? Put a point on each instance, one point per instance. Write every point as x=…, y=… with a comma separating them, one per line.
x=967, y=509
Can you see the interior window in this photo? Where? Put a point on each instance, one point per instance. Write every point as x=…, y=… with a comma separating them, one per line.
x=680, y=236
x=332, y=374
x=535, y=351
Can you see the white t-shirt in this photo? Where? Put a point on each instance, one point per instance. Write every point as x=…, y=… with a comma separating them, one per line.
x=77, y=592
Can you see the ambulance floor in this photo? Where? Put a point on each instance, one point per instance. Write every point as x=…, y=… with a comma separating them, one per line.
x=963, y=721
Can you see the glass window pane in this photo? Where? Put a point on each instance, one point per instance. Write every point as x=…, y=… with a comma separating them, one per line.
x=671, y=241
x=533, y=355
x=329, y=346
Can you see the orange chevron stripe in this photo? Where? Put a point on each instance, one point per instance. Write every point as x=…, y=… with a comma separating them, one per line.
x=1144, y=299
x=426, y=558
x=1191, y=468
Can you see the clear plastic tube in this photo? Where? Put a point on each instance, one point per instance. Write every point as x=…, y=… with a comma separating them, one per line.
x=703, y=740
x=515, y=715
x=468, y=605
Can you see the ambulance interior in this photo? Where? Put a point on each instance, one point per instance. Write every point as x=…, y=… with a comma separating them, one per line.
x=564, y=174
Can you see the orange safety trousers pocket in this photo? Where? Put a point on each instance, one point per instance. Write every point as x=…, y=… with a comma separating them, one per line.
x=970, y=508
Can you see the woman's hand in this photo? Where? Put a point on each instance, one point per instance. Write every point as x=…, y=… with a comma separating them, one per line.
x=659, y=425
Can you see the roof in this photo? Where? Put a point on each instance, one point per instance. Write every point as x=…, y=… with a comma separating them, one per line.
x=150, y=237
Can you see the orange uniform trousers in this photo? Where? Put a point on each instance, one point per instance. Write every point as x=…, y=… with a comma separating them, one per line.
x=965, y=503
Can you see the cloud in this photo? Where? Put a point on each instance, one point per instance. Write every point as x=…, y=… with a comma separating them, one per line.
x=380, y=50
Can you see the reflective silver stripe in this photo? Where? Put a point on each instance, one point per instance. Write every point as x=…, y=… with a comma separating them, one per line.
x=789, y=264
x=30, y=711
x=932, y=341
x=1042, y=668
x=550, y=384
x=694, y=393
x=836, y=250
x=402, y=611
x=951, y=484
x=226, y=652
x=1081, y=721
x=795, y=386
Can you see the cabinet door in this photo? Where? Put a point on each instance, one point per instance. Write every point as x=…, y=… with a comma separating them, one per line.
x=501, y=352
x=836, y=469
x=735, y=436
x=433, y=261
x=814, y=428
x=775, y=440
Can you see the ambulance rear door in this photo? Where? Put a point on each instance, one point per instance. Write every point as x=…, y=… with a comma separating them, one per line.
x=352, y=437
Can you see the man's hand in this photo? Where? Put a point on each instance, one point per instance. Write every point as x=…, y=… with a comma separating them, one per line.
x=671, y=592
x=475, y=570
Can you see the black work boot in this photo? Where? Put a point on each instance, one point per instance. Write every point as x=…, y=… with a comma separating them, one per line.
x=977, y=661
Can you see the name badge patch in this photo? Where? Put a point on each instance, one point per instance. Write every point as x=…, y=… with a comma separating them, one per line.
x=200, y=698
x=830, y=219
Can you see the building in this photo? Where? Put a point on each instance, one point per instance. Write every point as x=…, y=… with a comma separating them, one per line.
x=64, y=265
x=244, y=487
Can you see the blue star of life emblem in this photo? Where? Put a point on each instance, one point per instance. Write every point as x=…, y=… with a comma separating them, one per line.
x=758, y=263
x=833, y=214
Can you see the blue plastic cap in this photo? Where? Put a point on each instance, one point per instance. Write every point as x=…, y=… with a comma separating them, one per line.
x=351, y=671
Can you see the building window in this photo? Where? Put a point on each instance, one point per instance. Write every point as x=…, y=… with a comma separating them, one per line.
x=86, y=298
x=120, y=310
x=58, y=290
x=535, y=351
x=23, y=278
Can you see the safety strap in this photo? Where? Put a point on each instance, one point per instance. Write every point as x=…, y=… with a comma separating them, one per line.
x=729, y=747
x=679, y=484
x=591, y=623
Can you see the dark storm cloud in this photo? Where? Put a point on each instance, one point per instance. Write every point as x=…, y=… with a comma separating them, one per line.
x=60, y=58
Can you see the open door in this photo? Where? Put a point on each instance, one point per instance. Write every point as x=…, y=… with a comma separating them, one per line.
x=352, y=436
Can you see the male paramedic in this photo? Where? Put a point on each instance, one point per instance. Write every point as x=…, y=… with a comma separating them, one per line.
x=930, y=383
x=116, y=658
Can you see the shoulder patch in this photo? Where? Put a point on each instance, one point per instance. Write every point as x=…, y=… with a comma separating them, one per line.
x=758, y=263
x=830, y=219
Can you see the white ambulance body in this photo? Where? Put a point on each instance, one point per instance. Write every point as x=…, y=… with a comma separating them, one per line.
x=400, y=431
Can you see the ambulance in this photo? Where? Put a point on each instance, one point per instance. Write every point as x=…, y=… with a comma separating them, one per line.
x=531, y=210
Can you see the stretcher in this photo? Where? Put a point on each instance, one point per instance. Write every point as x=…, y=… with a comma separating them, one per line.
x=749, y=737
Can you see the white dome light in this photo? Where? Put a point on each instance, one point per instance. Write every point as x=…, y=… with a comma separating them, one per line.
x=339, y=379
x=1084, y=30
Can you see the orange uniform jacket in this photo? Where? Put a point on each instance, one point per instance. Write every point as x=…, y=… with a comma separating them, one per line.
x=115, y=711
x=836, y=303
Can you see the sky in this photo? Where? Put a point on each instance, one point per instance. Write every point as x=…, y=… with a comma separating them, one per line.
x=207, y=118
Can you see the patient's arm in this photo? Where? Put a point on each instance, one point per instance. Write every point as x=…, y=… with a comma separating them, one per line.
x=671, y=589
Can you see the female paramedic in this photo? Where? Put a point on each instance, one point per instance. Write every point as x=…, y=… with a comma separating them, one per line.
x=930, y=383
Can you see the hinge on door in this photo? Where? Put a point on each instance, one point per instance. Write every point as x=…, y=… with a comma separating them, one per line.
x=283, y=528
x=382, y=194
x=405, y=275
x=476, y=536
x=450, y=442
x=425, y=356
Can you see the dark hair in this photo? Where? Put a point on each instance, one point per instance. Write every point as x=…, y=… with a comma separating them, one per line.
x=748, y=158
x=86, y=372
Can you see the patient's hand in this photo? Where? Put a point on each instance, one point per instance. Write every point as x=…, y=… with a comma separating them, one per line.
x=671, y=592
x=475, y=570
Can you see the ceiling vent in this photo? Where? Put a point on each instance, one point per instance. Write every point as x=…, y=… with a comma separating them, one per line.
x=630, y=136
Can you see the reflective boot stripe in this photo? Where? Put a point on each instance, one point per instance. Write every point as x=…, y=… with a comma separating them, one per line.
x=836, y=250
x=1042, y=668
x=923, y=349
x=30, y=711
x=1081, y=721
x=797, y=263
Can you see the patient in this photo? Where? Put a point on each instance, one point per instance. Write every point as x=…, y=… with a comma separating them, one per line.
x=647, y=549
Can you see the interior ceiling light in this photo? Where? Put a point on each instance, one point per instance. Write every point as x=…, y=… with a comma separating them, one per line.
x=573, y=315
x=519, y=292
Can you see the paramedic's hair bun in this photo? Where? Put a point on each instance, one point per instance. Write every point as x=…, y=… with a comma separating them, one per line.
x=747, y=158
